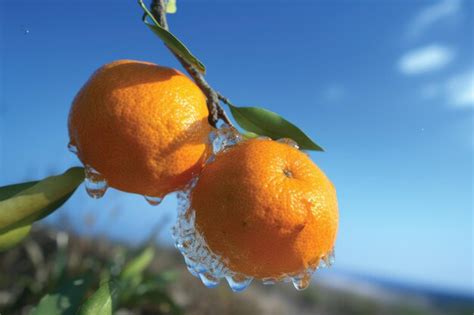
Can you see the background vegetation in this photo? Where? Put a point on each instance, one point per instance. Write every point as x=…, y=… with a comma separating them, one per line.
x=157, y=282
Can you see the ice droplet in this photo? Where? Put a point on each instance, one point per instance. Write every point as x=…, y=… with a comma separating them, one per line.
x=209, y=280
x=329, y=259
x=154, y=201
x=95, y=183
x=289, y=142
x=269, y=281
x=238, y=282
x=301, y=282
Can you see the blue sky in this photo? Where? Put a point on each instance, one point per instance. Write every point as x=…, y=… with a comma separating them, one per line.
x=387, y=88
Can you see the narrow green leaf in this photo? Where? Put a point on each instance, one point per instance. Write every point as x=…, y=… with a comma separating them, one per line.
x=138, y=264
x=170, y=40
x=11, y=190
x=22, y=204
x=266, y=123
x=65, y=300
x=13, y=237
x=103, y=301
x=171, y=7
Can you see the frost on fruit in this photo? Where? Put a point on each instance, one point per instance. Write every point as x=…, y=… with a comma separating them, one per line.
x=200, y=260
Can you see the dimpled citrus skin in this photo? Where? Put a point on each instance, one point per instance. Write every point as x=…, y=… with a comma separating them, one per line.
x=142, y=126
x=266, y=208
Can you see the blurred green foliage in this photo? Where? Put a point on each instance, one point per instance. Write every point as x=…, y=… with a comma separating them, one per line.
x=55, y=272
x=64, y=279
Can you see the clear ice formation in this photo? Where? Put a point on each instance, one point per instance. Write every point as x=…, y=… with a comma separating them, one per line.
x=200, y=260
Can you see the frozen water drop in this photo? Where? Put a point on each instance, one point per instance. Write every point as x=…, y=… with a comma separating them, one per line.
x=329, y=259
x=289, y=142
x=209, y=280
x=268, y=281
x=95, y=183
x=154, y=201
x=301, y=282
x=238, y=283
x=314, y=265
x=72, y=148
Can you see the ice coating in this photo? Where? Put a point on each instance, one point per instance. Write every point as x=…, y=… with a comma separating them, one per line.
x=96, y=185
x=200, y=260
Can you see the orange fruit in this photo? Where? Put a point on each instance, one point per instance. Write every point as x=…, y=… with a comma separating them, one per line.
x=143, y=127
x=266, y=209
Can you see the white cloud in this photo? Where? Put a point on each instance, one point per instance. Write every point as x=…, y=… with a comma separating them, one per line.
x=430, y=15
x=460, y=89
x=426, y=59
x=457, y=91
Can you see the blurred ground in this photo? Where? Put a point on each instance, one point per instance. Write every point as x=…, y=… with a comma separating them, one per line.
x=34, y=268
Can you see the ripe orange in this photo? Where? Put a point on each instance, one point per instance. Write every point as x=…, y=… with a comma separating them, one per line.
x=266, y=209
x=142, y=126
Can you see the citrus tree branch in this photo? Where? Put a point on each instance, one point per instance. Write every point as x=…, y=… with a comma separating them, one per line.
x=216, y=112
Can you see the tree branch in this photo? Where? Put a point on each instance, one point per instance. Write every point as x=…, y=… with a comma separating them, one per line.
x=216, y=112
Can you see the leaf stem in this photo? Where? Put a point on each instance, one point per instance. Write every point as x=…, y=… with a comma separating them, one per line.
x=216, y=112
x=224, y=99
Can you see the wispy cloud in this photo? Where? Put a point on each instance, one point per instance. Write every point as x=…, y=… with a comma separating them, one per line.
x=460, y=89
x=430, y=15
x=457, y=91
x=426, y=59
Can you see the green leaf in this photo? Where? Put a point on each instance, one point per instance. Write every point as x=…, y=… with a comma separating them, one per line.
x=65, y=300
x=139, y=264
x=22, y=204
x=171, y=7
x=11, y=190
x=266, y=123
x=132, y=274
x=13, y=237
x=103, y=301
x=170, y=40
